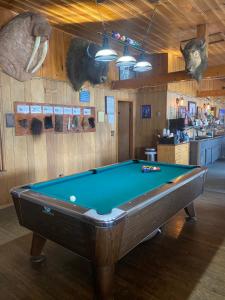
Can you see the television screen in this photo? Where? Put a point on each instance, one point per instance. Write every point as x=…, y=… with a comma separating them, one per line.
x=176, y=124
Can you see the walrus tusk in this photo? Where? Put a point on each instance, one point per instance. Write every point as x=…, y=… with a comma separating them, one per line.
x=36, y=46
x=43, y=56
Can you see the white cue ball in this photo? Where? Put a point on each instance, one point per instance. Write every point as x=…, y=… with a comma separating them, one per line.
x=72, y=198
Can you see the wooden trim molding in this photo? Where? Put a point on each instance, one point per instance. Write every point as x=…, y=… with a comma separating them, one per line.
x=155, y=80
x=210, y=93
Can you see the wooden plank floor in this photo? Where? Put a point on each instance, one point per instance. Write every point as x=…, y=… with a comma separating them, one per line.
x=187, y=261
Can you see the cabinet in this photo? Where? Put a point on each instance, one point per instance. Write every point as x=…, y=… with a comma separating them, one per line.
x=207, y=151
x=175, y=154
x=223, y=148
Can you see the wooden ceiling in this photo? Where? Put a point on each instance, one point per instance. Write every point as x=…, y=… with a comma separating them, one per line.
x=174, y=22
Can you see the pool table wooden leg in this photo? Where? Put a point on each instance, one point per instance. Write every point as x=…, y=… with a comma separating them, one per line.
x=190, y=211
x=104, y=276
x=37, y=246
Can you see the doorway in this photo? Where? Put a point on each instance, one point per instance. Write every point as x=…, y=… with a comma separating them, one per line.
x=125, y=130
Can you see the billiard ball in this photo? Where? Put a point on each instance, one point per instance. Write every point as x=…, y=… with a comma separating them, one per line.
x=72, y=198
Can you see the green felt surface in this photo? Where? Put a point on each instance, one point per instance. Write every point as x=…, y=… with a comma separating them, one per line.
x=111, y=186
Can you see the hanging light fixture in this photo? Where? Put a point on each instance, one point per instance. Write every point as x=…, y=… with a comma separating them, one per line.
x=142, y=65
x=106, y=54
x=126, y=60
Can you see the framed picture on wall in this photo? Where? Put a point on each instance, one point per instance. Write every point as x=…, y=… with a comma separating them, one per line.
x=181, y=111
x=192, y=108
x=222, y=112
x=146, y=112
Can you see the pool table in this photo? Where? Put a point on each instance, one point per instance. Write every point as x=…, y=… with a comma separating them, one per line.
x=103, y=213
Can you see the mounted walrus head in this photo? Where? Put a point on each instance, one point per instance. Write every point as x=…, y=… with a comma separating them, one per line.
x=81, y=65
x=195, y=57
x=24, y=45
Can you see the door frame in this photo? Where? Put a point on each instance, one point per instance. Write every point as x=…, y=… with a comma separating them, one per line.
x=131, y=125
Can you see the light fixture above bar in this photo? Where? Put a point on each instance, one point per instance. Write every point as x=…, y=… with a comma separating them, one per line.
x=106, y=54
x=142, y=65
x=126, y=60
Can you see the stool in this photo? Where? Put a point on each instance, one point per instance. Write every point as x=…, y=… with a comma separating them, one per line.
x=151, y=153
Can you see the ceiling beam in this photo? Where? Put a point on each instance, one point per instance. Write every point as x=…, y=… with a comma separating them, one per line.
x=155, y=80
x=210, y=93
x=203, y=33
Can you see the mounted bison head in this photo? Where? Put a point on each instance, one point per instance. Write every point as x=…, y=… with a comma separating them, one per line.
x=195, y=57
x=24, y=45
x=81, y=65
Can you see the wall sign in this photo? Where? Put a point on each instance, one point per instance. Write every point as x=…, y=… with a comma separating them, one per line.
x=222, y=113
x=110, y=109
x=192, y=108
x=35, y=109
x=58, y=110
x=86, y=111
x=23, y=109
x=47, y=110
x=181, y=111
x=84, y=95
x=109, y=105
x=68, y=110
x=146, y=111
x=76, y=111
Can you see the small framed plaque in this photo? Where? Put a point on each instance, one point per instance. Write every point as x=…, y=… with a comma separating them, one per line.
x=146, y=112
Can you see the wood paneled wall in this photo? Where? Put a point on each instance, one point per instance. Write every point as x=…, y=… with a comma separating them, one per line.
x=147, y=129
x=29, y=158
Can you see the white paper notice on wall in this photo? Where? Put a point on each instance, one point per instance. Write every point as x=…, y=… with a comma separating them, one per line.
x=87, y=111
x=68, y=111
x=76, y=111
x=47, y=110
x=23, y=109
x=111, y=119
x=110, y=104
x=101, y=116
x=36, y=109
x=58, y=110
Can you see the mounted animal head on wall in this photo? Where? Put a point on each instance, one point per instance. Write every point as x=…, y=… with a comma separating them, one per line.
x=81, y=65
x=195, y=56
x=24, y=45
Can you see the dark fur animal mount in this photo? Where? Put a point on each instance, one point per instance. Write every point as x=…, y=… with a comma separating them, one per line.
x=24, y=45
x=195, y=57
x=81, y=65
